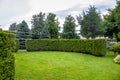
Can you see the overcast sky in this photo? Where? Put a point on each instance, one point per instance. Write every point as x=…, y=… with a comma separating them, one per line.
x=17, y=10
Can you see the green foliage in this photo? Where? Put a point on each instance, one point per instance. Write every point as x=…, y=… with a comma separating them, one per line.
x=13, y=27
x=23, y=31
x=69, y=28
x=116, y=47
x=13, y=42
x=112, y=22
x=38, y=25
x=118, y=35
x=17, y=45
x=96, y=47
x=22, y=44
x=117, y=59
x=90, y=23
x=7, y=68
x=45, y=33
x=52, y=24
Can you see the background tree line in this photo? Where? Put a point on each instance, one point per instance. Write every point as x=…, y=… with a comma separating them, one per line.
x=90, y=22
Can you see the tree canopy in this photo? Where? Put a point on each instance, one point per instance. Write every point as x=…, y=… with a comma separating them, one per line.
x=112, y=22
x=90, y=23
x=52, y=25
x=22, y=30
x=38, y=23
x=13, y=27
x=69, y=28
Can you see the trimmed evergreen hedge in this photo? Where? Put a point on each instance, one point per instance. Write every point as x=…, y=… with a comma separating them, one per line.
x=7, y=68
x=95, y=47
x=16, y=45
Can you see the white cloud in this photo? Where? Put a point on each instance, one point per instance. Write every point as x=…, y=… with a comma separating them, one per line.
x=11, y=8
x=53, y=5
x=18, y=10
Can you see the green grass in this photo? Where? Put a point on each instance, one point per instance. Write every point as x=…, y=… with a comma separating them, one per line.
x=64, y=66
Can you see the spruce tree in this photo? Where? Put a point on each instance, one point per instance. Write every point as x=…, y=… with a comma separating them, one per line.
x=22, y=33
x=22, y=30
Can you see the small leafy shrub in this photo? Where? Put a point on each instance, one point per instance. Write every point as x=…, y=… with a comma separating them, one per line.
x=118, y=36
x=110, y=43
x=7, y=44
x=116, y=48
x=117, y=59
x=95, y=47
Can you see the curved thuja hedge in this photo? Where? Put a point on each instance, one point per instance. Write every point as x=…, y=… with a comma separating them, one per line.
x=7, y=43
x=96, y=47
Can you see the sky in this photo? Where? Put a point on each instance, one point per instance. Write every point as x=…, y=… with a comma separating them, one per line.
x=17, y=10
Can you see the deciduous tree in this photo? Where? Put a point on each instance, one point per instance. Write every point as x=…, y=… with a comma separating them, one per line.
x=69, y=28
x=38, y=23
x=53, y=25
x=112, y=22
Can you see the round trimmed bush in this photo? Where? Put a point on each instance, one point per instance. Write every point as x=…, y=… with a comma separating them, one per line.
x=117, y=59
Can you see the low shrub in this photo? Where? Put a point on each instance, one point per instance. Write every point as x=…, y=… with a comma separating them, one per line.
x=96, y=47
x=7, y=44
x=116, y=48
x=110, y=43
x=117, y=59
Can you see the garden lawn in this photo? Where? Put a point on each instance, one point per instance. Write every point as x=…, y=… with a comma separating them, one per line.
x=64, y=66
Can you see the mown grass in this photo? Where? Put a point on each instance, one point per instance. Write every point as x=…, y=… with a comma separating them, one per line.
x=64, y=66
